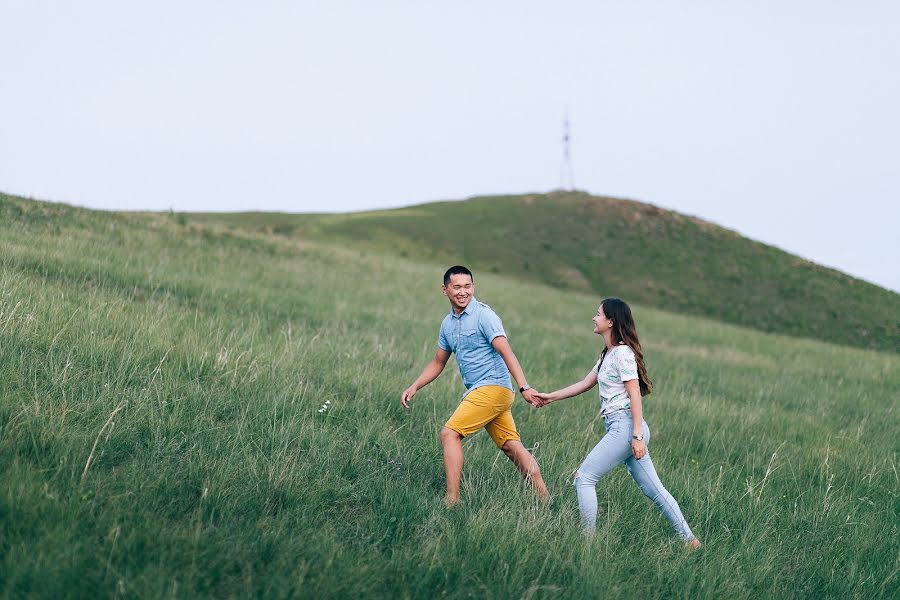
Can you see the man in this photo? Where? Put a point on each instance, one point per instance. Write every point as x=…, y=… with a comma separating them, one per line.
x=475, y=334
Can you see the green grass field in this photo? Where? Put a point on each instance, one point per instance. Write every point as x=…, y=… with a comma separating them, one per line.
x=161, y=433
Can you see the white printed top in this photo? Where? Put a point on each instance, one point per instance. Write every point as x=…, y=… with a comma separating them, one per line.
x=619, y=366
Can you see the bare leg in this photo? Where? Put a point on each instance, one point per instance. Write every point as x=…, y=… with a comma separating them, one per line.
x=527, y=465
x=453, y=463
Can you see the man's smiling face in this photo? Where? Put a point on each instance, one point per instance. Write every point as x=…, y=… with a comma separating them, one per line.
x=459, y=290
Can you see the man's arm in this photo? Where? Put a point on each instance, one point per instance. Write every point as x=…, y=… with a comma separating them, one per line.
x=501, y=345
x=429, y=374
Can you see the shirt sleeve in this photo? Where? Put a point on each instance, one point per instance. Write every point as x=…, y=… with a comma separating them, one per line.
x=627, y=364
x=443, y=344
x=490, y=325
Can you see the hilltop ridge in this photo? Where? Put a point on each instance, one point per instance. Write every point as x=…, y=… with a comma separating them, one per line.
x=617, y=247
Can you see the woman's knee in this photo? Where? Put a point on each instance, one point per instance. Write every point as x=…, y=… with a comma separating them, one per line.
x=655, y=491
x=584, y=479
x=646, y=480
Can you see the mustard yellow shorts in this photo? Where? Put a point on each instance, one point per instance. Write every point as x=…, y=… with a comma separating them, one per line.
x=489, y=407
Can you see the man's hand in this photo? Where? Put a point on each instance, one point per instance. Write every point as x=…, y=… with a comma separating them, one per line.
x=531, y=397
x=543, y=399
x=407, y=395
x=431, y=371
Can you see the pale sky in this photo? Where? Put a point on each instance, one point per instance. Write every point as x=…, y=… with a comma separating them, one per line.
x=777, y=119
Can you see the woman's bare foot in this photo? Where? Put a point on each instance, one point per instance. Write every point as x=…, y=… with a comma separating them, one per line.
x=451, y=501
x=693, y=544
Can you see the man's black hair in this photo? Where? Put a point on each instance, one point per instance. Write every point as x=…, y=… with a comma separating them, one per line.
x=457, y=270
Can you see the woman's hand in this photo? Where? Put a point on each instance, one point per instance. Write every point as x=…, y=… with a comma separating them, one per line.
x=638, y=448
x=543, y=398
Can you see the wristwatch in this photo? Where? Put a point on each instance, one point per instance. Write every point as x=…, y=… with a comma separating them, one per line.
x=523, y=388
x=639, y=438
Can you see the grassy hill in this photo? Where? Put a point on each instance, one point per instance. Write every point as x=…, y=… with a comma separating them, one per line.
x=162, y=433
x=619, y=248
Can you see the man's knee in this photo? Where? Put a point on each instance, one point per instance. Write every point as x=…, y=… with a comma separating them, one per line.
x=518, y=453
x=449, y=435
x=511, y=447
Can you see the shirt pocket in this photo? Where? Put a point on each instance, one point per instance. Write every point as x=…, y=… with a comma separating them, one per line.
x=469, y=339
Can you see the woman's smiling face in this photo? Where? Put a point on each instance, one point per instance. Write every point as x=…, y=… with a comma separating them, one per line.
x=601, y=323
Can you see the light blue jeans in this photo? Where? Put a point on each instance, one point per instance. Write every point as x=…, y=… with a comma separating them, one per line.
x=612, y=450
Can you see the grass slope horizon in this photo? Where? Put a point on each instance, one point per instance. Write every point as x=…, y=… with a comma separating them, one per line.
x=616, y=247
x=189, y=411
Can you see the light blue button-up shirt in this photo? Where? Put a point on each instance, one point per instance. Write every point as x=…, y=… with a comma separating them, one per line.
x=469, y=336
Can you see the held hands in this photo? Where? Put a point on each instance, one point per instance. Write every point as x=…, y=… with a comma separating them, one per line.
x=544, y=399
x=538, y=399
x=407, y=395
x=530, y=396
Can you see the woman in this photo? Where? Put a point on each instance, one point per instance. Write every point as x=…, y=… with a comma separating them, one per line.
x=622, y=378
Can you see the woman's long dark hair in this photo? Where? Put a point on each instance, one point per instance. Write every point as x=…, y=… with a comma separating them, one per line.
x=624, y=331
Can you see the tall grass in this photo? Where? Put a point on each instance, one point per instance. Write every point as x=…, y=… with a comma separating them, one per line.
x=162, y=433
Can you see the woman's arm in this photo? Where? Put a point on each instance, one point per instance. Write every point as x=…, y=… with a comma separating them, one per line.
x=638, y=447
x=589, y=381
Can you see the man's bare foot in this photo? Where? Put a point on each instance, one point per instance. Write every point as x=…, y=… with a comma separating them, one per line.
x=451, y=501
x=693, y=544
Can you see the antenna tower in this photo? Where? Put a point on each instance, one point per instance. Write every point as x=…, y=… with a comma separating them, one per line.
x=566, y=171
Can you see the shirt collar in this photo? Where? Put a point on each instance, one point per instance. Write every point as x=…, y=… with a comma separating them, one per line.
x=468, y=310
